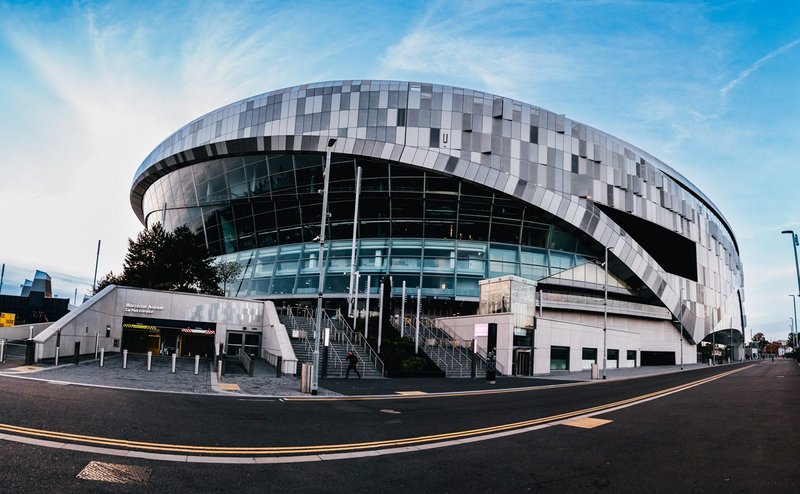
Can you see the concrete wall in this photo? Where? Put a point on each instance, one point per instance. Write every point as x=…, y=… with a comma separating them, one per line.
x=87, y=324
x=276, y=342
x=577, y=330
x=463, y=327
x=23, y=331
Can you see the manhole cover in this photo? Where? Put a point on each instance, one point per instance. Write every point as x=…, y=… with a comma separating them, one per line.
x=117, y=474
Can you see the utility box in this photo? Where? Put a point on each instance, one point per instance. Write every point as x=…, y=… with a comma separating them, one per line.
x=595, y=371
x=306, y=371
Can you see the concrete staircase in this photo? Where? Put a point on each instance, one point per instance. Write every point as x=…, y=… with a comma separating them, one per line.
x=452, y=356
x=300, y=325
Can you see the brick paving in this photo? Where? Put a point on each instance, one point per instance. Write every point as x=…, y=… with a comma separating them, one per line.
x=160, y=378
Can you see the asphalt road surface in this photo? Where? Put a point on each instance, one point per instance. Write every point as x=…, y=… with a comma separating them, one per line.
x=722, y=429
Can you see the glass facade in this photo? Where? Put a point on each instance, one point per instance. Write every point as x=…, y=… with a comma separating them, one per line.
x=440, y=233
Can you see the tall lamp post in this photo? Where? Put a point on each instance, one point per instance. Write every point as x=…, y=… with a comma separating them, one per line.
x=794, y=324
x=321, y=266
x=680, y=327
x=605, y=314
x=797, y=269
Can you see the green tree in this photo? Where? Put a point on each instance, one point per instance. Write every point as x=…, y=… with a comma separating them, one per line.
x=228, y=271
x=161, y=260
x=760, y=340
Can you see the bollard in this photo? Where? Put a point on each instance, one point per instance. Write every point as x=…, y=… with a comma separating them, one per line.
x=102, y=355
x=124, y=359
x=304, y=379
x=77, y=352
x=2, y=351
x=219, y=369
x=174, y=357
x=30, y=352
x=56, y=361
x=149, y=359
x=278, y=369
x=196, y=364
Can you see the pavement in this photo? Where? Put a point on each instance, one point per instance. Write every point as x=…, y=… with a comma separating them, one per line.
x=265, y=383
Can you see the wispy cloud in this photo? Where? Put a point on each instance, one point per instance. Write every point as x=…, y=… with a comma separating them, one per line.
x=743, y=75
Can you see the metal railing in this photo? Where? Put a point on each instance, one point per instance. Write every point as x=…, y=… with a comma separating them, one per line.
x=447, y=352
x=303, y=321
x=246, y=361
x=353, y=339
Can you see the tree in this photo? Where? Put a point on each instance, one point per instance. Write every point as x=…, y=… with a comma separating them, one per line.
x=760, y=340
x=161, y=260
x=228, y=271
x=790, y=340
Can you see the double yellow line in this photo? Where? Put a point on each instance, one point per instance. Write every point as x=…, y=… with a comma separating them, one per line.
x=338, y=448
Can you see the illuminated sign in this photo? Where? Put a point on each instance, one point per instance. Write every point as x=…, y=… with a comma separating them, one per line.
x=7, y=319
x=142, y=308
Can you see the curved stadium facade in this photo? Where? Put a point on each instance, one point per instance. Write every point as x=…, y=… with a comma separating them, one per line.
x=457, y=186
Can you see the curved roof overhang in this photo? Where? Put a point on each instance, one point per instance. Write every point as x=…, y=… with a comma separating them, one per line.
x=183, y=149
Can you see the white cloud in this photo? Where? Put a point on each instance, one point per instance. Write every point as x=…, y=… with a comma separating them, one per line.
x=744, y=74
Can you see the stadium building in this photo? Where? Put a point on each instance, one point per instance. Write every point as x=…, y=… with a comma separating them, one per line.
x=457, y=186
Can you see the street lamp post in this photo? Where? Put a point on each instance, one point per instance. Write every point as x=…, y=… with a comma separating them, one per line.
x=794, y=324
x=321, y=266
x=680, y=324
x=797, y=269
x=605, y=312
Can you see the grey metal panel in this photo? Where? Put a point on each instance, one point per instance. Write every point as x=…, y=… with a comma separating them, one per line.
x=610, y=171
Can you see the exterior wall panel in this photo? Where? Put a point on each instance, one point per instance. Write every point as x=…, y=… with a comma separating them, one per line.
x=499, y=143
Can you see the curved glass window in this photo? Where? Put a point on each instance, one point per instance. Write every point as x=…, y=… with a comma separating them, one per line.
x=435, y=232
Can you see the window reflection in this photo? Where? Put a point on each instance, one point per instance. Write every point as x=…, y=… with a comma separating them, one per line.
x=413, y=223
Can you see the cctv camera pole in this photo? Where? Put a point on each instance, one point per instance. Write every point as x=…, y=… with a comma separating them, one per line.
x=321, y=266
x=350, y=308
x=96, y=262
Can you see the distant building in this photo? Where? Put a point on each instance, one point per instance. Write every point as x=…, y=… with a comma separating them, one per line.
x=34, y=304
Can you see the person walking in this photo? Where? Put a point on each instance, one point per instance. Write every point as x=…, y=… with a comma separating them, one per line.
x=353, y=364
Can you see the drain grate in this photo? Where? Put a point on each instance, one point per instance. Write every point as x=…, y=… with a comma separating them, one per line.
x=117, y=474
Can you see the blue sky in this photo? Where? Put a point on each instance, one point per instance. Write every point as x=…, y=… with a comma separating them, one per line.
x=88, y=89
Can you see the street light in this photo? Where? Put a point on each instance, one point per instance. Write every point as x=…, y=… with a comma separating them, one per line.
x=797, y=269
x=605, y=313
x=321, y=266
x=680, y=324
x=794, y=325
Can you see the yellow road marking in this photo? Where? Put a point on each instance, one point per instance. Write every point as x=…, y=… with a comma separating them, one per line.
x=587, y=423
x=330, y=448
x=411, y=393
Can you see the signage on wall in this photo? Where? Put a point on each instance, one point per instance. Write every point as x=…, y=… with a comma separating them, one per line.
x=7, y=319
x=481, y=329
x=142, y=308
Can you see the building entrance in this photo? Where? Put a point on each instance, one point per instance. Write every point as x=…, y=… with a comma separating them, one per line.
x=249, y=342
x=657, y=358
x=522, y=362
x=141, y=338
x=167, y=337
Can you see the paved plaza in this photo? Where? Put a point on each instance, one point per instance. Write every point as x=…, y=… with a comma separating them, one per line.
x=265, y=382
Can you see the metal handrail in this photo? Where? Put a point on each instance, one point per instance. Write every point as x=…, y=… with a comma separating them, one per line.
x=349, y=335
x=427, y=336
x=339, y=334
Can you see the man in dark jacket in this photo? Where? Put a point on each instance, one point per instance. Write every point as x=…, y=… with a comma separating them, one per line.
x=353, y=363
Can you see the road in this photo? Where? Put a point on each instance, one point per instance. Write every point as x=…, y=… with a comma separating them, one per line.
x=736, y=433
